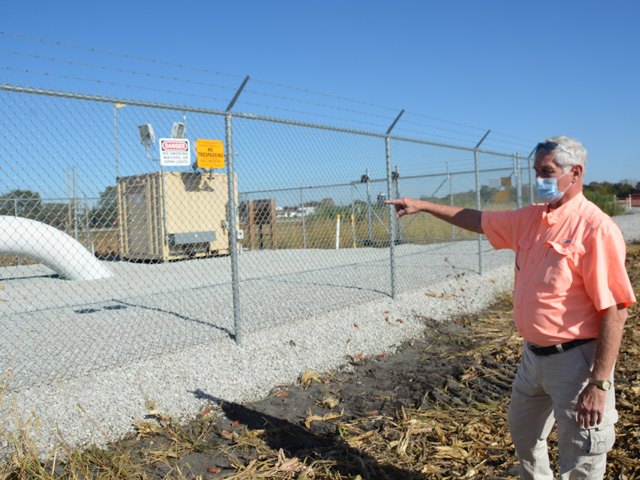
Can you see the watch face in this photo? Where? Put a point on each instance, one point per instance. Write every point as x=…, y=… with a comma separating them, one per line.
x=601, y=384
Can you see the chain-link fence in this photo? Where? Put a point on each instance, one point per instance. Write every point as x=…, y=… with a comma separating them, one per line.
x=108, y=256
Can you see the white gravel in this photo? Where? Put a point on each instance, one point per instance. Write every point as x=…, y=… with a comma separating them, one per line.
x=111, y=384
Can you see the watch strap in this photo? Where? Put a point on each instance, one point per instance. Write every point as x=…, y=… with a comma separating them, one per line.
x=601, y=384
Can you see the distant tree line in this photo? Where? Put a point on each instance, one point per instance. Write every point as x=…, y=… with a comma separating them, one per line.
x=620, y=189
x=29, y=204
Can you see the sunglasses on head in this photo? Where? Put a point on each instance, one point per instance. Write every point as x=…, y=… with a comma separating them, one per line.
x=550, y=147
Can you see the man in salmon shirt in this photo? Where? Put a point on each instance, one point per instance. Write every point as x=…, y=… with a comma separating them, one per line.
x=570, y=305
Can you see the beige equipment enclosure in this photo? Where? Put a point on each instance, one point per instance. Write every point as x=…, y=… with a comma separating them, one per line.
x=190, y=222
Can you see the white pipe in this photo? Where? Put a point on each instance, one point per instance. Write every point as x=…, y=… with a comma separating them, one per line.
x=57, y=250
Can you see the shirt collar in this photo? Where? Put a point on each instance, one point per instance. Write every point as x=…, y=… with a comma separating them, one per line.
x=558, y=214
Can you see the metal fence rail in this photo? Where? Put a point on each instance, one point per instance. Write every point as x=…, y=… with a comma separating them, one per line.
x=193, y=254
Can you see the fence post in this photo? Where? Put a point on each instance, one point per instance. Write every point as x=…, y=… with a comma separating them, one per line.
x=116, y=106
x=396, y=180
x=164, y=207
x=353, y=218
x=232, y=212
x=478, y=199
x=479, y=206
x=450, y=177
x=531, y=180
x=392, y=210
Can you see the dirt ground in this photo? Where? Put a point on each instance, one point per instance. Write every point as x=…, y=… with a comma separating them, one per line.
x=304, y=421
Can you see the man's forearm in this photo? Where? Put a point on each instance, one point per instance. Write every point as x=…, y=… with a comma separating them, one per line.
x=460, y=217
x=466, y=218
x=591, y=401
x=609, y=340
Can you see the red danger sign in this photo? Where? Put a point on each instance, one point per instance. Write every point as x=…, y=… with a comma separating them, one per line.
x=173, y=145
x=175, y=153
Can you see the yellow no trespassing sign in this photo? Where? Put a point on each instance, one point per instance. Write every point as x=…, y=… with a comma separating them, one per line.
x=210, y=153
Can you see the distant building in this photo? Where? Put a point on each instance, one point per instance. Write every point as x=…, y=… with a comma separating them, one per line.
x=292, y=212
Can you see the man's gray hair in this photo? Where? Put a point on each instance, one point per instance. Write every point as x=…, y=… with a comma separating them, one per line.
x=563, y=159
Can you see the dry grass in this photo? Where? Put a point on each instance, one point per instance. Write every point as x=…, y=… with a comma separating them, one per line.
x=321, y=232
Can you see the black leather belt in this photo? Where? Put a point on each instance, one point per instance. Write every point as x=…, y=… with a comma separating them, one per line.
x=563, y=347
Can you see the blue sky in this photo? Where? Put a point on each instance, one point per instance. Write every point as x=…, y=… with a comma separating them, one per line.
x=526, y=70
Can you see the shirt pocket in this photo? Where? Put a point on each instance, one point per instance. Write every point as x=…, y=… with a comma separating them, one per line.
x=524, y=245
x=556, y=274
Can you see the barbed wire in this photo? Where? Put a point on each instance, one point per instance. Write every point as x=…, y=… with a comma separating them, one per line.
x=206, y=84
x=307, y=102
x=255, y=92
x=524, y=145
x=106, y=82
x=493, y=132
x=512, y=136
x=437, y=128
x=165, y=77
x=499, y=147
x=423, y=134
x=307, y=113
x=122, y=70
x=447, y=121
x=337, y=97
x=106, y=52
x=186, y=67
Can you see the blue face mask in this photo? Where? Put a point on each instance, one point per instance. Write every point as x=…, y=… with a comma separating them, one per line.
x=547, y=189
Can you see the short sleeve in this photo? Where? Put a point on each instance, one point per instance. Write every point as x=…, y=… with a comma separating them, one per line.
x=603, y=268
x=499, y=228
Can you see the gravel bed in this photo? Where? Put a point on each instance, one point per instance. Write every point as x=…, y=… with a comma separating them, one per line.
x=133, y=349
x=148, y=310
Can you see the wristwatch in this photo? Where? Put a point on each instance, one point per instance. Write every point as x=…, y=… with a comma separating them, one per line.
x=601, y=384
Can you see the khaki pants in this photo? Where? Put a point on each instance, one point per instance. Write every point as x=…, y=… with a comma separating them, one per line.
x=544, y=392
